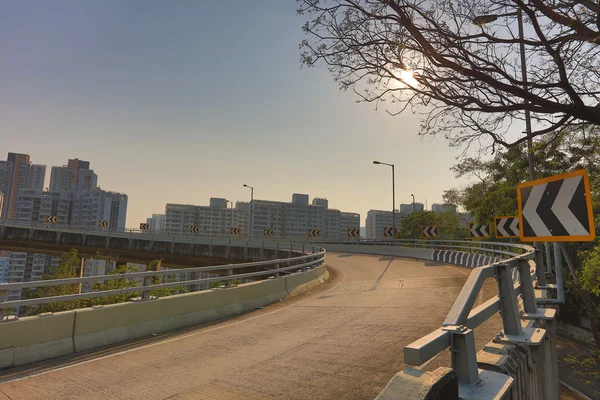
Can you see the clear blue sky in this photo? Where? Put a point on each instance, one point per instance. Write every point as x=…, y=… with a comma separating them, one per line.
x=177, y=101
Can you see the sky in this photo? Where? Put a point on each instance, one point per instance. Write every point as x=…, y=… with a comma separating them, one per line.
x=179, y=101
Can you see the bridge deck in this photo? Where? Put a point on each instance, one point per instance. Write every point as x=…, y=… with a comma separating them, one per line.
x=343, y=340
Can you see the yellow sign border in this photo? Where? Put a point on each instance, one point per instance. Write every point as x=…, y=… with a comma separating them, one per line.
x=588, y=195
x=479, y=237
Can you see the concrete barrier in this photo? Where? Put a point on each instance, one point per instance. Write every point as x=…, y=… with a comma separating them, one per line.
x=298, y=283
x=411, y=384
x=36, y=338
x=47, y=336
x=394, y=251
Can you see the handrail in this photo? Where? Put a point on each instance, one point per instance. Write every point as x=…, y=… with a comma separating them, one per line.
x=456, y=330
x=280, y=265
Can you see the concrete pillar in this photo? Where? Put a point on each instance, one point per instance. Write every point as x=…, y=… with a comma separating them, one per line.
x=415, y=384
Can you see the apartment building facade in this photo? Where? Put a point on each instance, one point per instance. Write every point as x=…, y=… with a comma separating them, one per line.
x=286, y=220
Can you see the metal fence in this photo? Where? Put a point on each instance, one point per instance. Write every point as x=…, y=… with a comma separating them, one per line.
x=456, y=331
x=226, y=273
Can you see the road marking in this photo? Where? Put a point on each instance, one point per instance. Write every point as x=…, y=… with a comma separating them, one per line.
x=176, y=338
x=457, y=269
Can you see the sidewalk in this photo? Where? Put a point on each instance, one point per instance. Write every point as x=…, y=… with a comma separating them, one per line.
x=579, y=367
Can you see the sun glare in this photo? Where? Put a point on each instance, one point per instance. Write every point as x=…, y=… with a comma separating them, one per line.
x=407, y=77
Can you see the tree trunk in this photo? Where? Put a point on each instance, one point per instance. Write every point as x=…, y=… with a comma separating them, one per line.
x=587, y=303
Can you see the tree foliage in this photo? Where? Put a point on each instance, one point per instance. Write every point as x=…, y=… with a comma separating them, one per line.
x=468, y=83
x=69, y=266
x=450, y=225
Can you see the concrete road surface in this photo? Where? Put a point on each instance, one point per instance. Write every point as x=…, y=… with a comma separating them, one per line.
x=342, y=340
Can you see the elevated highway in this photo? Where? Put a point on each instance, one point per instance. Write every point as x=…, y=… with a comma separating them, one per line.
x=342, y=340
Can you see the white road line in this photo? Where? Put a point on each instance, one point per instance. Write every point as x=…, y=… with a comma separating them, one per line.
x=174, y=339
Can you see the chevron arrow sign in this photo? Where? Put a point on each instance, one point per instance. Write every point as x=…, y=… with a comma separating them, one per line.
x=429, y=232
x=507, y=227
x=479, y=231
x=388, y=231
x=144, y=226
x=556, y=209
x=194, y=228
x=103, y=223
x=234, y=231
x=314, y=232
x=269, y=232
x=51, y=219
x=353, y=232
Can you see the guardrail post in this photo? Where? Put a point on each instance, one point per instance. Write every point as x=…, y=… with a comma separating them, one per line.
x=548, y=258
x=303, y=249
x=228, y=281
x=194, y=287
x=539, y=267
x=146, y=292
x=527, y=291
x=463, y=354
x=276, y=273
x=508, y=302
x=313, y=251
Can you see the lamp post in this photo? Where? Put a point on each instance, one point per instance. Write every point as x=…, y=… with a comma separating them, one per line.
x=413, y=196
x=231, y=223
x=486, y=19
x=393, y=194
x=251, y=209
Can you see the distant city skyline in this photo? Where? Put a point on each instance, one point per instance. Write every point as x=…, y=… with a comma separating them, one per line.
x=167, y=114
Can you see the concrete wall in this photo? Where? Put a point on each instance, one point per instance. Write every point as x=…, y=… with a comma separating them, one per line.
x=51, y=335
x=395, y=251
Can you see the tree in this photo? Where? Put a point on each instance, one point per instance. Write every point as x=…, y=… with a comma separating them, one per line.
x=465, y=77
x=69, y=266
x=449, y=225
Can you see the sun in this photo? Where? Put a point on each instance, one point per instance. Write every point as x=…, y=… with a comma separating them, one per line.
x=408, y=78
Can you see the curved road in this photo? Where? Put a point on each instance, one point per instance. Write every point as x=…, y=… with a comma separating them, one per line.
x=342, y=340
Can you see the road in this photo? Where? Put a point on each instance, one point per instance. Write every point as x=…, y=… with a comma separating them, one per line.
x=342, y=340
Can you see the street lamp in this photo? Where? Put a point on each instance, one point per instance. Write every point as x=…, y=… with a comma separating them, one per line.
x=393, y=194
x=486, y=19
x=231, y=223
x=251, y=209
x=413, y=196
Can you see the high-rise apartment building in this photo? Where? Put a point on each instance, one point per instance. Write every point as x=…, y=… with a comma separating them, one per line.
x=442, y=208
x=406, y=209
x=35, y=205
x=287, y=220
x=213, y=220
x=156, y=223
x=75, y=176
x=377, y=220
x=97, y=205
x=16, y=174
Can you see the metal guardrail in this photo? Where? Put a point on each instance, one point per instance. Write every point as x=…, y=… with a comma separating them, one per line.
x=456, y=331
x=271, y=268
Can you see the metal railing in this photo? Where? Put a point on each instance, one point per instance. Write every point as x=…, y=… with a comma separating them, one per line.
x=144, y=280
x=456, y=331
